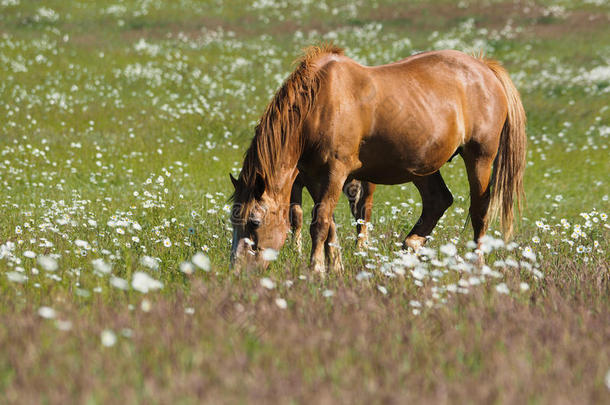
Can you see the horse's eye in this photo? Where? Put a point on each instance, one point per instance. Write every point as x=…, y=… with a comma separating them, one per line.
x=255, y=223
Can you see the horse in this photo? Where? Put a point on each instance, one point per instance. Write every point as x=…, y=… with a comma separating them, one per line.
x=334, y=120
x=360, y=197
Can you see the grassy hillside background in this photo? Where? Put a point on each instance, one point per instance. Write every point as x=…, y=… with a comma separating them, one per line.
x=119, y=124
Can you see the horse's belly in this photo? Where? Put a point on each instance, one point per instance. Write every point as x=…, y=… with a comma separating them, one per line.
x=396, y=158
x=381, y=176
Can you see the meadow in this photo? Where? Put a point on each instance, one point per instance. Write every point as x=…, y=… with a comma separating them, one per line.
x=119, y=124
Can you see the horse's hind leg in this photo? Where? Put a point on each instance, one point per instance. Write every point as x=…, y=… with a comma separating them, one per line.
x=296, y=212
x=360, y=196
x=479, y=169
x=436, y=198
x=353, y=191
x=364, y=207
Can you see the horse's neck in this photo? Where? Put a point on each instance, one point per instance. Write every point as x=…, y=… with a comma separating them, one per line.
x=283, y=179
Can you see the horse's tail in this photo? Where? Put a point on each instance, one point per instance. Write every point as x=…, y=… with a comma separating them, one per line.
x=509, y=166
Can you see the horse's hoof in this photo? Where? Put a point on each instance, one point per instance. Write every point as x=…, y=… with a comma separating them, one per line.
x=480, y=262
x=298, y=242
x=362, y=244
x=414, y=243
x=336, y=264
x=319, y=268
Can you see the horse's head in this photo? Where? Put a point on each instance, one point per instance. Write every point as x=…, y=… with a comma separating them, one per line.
x=260, y=221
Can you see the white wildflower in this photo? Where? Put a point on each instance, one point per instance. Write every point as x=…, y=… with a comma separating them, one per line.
x=101, y=266
x=281, y=303
x=502, y=288
x=47, y=312
x=529, y=254
x=63, y=325
x=108, y=338
x=16, y=277
x=202, y=261
x=269, y=255
x=474, y=280
x=118, y=282
x=143, y=283
x=48, y=263
x=187, y=267
x=448, y=249
x=149, y=262
x=145, y=305
x=328, y=293
x=409, y=260
x=82, y=244
x=267, y=283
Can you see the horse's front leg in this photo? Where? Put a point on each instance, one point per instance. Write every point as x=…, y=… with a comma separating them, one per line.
x=323, y=231
x=332, y=249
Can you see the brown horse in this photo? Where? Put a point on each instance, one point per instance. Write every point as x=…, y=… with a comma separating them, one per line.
x=334, y=120
x=360, y=197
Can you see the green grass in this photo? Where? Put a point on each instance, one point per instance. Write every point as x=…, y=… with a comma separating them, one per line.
x=92, y=117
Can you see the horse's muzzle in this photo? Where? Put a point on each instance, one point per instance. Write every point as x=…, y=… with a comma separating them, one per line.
x=243, y=256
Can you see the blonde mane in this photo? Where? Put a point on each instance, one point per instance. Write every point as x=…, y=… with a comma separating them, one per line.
x=276, y=136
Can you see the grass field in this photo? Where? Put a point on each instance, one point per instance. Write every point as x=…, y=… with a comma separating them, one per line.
x=119, y=124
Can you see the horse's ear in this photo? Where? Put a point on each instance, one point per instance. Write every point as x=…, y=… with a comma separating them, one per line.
x=233, y=180
x=259, y=187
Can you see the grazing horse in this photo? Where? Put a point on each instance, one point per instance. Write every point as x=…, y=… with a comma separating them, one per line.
x=360, y=197
x=334, y=120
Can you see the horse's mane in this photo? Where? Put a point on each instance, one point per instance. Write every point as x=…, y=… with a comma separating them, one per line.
x=276, y=134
